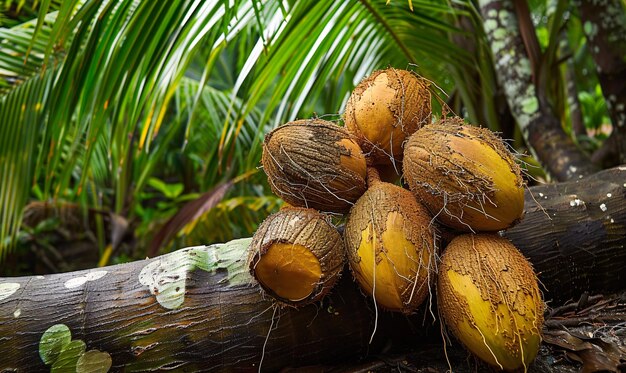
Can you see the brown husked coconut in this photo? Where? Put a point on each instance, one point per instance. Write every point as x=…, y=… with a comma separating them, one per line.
x=384, y=110
x=314, y=163
x=489, y=298
x=391, y=243
x=465, y=176
x=296, y=255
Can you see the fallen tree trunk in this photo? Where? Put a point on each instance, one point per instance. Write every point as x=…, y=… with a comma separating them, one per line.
x=574, y=234
x=198, y=309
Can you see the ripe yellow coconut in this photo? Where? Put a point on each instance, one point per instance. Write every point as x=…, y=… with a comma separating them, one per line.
x=489, y=298
x=314, y=163
x=296, y=255
x=384, y=110
x=391, y=246
x=465, y=176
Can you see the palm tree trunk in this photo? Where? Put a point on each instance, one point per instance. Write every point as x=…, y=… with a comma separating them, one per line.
x=540, y=127
x=197, y=309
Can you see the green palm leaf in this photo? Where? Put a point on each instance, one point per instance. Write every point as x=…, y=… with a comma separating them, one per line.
x=110, y=78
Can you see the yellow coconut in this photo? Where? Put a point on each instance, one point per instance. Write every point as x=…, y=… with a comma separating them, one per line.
x=391, y=245
x=489, y=298
x=296, y=255
x=465, y=175
x=384, y=109
x=314, y=163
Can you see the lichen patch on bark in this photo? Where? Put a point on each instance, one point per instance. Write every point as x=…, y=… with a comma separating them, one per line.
x=53, y=341
x=7, y=289
x=94, y=361
x=81, y=280
x=56, y=348
x=513, y=67
x=166, y=276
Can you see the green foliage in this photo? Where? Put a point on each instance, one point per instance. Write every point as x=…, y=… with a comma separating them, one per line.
x=170, y=191
x=594, y=107
x=234, y=217
x=91, y=97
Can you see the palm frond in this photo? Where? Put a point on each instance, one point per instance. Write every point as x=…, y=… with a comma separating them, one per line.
x=321, y=40
x=109, y=77
x=21, y=54
x=20, y=115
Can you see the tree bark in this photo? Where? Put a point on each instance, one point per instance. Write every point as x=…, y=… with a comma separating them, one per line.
x=197, y=309
x=540, y=127
x=604, y=24
x=574, y=234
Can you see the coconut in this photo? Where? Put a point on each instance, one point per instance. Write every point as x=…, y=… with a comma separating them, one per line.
x=384, y=109
x=465, y=176
x=489, y=298
x=391, y=243
x=314, y=163
x=296, y=256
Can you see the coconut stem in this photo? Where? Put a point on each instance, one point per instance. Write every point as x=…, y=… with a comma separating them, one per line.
x=373, y=176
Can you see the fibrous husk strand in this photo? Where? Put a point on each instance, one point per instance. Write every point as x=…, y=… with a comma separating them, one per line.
x=489, y=298
x=391, y=246
x=314, y=163
x=384, y=110
x=465, y=176
x=296, y=255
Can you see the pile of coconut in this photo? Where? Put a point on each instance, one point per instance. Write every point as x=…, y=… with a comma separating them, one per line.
x=456, y=177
